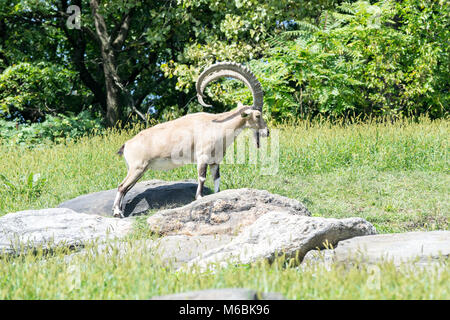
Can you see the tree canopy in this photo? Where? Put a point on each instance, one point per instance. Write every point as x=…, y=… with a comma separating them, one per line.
x=141, y=57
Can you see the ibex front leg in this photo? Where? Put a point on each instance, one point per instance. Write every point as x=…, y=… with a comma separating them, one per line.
x=201, y=170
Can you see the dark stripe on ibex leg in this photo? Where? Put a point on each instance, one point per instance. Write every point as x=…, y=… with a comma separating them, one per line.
x=215, y=172
x=202, y=171
x=201, y=179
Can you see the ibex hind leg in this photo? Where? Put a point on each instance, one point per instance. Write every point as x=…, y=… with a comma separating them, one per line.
x=134, y=174
x=201, y=170
x=215, y=173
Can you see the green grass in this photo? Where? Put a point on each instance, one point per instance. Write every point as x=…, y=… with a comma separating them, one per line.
x=394, y=175
x=140, y=275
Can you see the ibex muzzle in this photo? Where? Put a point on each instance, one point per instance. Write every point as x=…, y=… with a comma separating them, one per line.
x=200, y=138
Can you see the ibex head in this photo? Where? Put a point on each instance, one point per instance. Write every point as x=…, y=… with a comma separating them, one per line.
x=252, y=114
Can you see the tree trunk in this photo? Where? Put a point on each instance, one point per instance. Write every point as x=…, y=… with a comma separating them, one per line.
x=113, y=112
x=112, y=80
x=3, y=36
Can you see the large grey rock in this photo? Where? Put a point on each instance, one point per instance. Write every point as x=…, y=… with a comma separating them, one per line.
x=280, y=232
x=172, y=251
x=226, y=212
x=46, y=228
x=146, y=195
x=222, y=294
x=422, y=248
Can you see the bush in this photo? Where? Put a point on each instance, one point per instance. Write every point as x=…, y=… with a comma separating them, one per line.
x=389, y=59
x=33, y=91
x=53, y=129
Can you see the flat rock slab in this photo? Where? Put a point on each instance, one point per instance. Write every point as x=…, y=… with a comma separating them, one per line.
x=423, y=247
x=416, y=248
x=47, y=228
x=226, y=212
x=179, y=249
x=280, y=232
x=171, y=251
x=222, y=294
x=146, y=195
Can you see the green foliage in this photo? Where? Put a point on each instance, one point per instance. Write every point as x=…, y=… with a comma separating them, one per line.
x=54, y=129
x=236, y=31
x=325, y=57
x=388, y=58
x=29, y=186
x=32, y=91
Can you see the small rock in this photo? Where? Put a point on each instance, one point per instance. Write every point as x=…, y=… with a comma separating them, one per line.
x=146, y=195
x=226, y=212
x=222, y=294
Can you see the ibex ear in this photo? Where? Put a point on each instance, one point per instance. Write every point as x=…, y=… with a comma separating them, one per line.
x=239, y=104
x=246, y=113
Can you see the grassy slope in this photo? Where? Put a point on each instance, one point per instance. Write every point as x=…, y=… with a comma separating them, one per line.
x=395, y=176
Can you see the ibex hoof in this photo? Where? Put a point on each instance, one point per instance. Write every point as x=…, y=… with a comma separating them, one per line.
x=118, y=214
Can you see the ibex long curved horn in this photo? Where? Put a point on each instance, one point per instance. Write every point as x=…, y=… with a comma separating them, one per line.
x=232, y=70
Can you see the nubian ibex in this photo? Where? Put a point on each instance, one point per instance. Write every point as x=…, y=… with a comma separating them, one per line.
x=200, y=138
